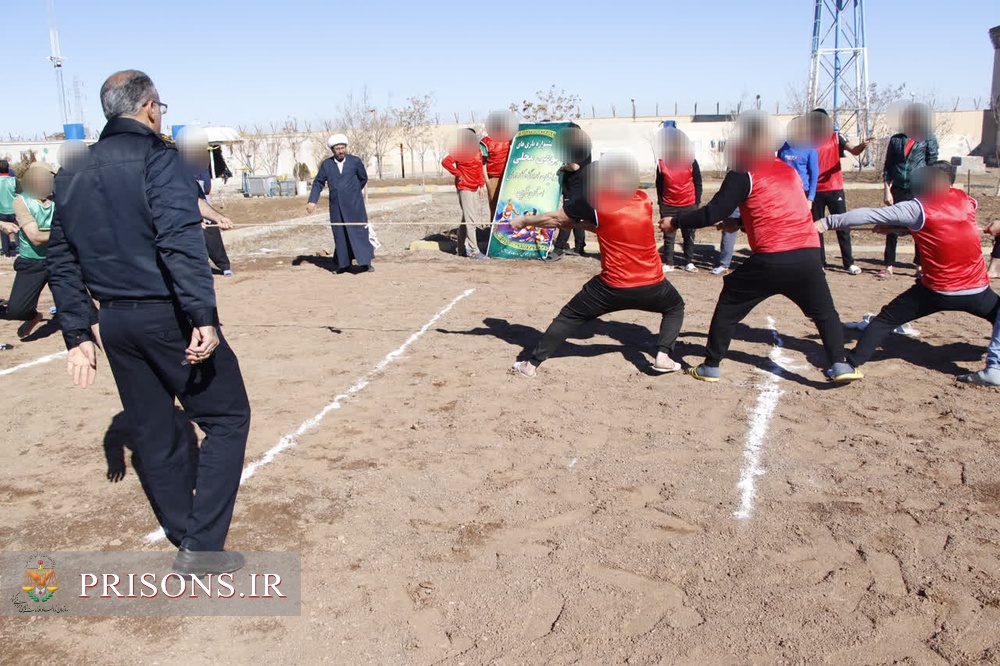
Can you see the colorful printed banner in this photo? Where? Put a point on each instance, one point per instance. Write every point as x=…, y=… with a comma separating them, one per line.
x=530, y=186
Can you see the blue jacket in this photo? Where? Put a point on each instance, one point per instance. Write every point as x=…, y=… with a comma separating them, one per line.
x=127, y=228
x=805, y=161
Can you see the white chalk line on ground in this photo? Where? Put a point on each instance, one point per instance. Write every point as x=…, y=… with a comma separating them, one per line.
x=291, y=439
x=29, y=364
x=768, y=395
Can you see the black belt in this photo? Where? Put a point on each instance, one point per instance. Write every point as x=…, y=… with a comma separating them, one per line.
x=134, y=304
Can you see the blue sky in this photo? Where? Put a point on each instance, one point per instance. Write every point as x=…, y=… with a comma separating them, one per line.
x=252, y=61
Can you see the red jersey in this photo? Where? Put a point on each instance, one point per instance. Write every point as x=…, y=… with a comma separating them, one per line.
x=951, y=256
x=777, y=216
x=496, y=156
x=469, y=173
x=629, y=255
x=678, y=185
x=831, y=176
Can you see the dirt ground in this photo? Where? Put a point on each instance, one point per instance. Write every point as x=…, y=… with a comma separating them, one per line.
x=272, y=209
x=449, y=513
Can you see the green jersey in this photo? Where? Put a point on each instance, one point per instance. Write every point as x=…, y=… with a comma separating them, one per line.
x=42, y=212
x=8, y=185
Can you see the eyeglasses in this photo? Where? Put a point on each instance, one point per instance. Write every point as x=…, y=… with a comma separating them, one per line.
x=163, y=107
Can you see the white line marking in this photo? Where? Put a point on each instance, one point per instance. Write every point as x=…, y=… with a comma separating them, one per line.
x=37, y=361
x=291, y=439
x=769, y=393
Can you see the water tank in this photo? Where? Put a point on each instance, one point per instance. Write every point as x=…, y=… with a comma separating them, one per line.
x=74, y=131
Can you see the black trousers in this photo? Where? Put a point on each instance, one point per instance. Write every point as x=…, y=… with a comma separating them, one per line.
x=669, y=240
x=798, y=275
x=995, y=254
x=916, y=302
x=192, y=496
x=892, y=240
x=8, y=248
x=30, y=278
x=216, y=247
x=834, y=203
x=597, y=299
x=579, y=239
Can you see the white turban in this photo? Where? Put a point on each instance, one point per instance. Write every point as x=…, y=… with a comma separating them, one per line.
x=336, y=139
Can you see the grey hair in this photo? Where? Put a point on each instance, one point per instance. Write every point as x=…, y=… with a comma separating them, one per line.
x=124, y=93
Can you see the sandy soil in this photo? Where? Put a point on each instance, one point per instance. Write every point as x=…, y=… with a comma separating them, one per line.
x=450, y=513
x=259, y=209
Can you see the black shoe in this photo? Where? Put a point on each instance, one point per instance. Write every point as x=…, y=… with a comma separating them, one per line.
x=555, y=255
x=367, y=269
x=204, y=562
x=28, y=327
x=581, y=251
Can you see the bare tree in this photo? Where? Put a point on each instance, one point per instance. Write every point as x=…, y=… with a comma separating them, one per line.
x=551, y=104
x=797, y=98
x=414, y=121
x=295, y=135
x=247, y=149
x=368, y=127
x=270, y=143
x=27, y=158
x=381, y=129
x=319, y=137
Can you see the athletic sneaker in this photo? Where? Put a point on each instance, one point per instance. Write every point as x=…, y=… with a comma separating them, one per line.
x=705, y=373
x=843, y=373
x=854, y=269
x=719, y=270
x=667, y=268
x=691, y=268
x=227, y=273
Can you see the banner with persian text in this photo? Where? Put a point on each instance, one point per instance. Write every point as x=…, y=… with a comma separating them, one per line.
x=530, y=186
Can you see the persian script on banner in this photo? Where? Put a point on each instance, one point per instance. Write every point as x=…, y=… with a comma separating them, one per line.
x=530, y=186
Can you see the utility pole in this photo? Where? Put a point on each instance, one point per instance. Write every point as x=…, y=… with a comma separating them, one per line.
x=838, y=70
x=57, y=62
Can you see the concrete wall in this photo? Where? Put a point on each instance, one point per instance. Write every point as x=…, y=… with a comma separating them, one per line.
x=961, y=132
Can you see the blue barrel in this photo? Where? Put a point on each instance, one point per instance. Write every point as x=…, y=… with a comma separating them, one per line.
x=670, y=123
x=74, y=131
x=175, y=130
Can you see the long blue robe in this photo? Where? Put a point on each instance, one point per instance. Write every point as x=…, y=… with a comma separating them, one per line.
x=347, y=204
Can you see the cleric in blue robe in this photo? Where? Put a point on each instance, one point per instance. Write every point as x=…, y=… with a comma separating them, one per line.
x=346, y=177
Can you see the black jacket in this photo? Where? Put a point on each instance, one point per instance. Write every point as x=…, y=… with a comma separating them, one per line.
x=127, y=228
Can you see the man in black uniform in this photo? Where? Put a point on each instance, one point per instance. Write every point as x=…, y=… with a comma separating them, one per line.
x=127, y=229
x=574, y=147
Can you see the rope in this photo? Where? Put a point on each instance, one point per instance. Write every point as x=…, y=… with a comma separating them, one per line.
x=378, y=225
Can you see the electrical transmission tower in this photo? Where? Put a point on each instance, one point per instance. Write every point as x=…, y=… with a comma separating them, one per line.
x=838, y=71
x=57, y=62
